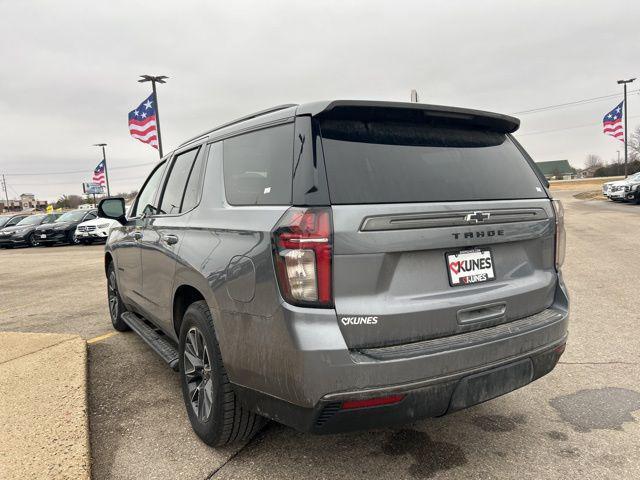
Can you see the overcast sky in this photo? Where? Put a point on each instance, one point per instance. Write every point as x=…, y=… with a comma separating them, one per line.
x=69, y=71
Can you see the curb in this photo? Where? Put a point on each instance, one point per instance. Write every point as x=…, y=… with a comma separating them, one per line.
x=44, y=424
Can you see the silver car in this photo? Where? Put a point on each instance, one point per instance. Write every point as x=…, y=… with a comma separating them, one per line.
x=342, y=265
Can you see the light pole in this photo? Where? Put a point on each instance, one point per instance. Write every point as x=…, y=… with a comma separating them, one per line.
x=624, y=83
x=104, y=159
x=155, y=79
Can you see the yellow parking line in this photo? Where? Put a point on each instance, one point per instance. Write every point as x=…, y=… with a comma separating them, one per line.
x=99, y=338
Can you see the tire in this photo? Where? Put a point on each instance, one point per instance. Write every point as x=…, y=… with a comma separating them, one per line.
x=31, y=241
x=72, y=239
x=226, y=421
x=116, y=307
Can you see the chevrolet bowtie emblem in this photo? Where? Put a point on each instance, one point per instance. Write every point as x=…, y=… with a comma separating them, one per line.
x=477, y=217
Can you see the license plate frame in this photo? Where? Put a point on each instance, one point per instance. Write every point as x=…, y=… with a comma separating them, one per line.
x=475, y=253
x=43, y=235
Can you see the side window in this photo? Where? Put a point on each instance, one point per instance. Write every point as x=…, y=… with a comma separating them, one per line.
x=89, y=216
x=145, y=197
x=174, y=190
x=14, y=221
x=257, y=167
x=192, y=192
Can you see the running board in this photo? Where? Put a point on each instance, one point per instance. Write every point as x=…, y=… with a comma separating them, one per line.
x=154, y=338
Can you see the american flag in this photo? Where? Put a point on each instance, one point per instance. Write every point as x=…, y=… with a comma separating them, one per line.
x=612, y=123
x=98, y=174
x=142, y=122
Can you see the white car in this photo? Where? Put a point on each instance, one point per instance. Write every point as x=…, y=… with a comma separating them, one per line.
x=94, y=230
x=627, y=189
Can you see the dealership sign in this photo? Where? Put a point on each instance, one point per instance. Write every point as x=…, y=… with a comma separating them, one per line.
x=92, y=188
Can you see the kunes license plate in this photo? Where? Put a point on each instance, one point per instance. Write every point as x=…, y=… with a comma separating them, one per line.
x=43, y=236
x=470, y=266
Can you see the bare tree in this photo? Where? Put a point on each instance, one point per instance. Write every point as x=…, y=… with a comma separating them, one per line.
x=593, y=161
x=68, y=201
x=127, y=196
x=633, y=144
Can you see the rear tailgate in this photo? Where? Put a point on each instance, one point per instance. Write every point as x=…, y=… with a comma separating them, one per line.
x=393, y=286
x=441, y=225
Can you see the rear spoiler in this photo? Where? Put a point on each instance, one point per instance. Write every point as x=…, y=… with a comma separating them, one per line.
x=414, y=111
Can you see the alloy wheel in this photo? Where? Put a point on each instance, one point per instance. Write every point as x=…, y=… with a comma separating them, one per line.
x=197, y=371
x=112, y=291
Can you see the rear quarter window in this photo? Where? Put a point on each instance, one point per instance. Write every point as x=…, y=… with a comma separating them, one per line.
x=258, y=167
x=396, y=162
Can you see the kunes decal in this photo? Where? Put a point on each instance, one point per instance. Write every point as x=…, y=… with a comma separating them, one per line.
x=359, y=320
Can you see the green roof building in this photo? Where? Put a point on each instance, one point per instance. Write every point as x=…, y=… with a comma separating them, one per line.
x=558, y=169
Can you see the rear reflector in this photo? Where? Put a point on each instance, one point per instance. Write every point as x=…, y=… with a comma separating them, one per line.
x=372, y=402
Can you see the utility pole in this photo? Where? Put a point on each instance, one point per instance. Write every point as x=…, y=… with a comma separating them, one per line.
x=106, y=172
x=155, y=79
x=6, y=192
x=624, y=83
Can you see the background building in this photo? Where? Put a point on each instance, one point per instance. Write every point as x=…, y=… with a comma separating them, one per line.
x=26, y=203
x=557, y=170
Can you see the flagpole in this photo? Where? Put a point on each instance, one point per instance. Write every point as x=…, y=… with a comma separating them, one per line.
x=624, y=84
x=153, y=79
x=155, y=97
x=104, y=159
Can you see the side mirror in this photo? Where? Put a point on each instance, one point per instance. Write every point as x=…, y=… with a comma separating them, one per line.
x=112, y=208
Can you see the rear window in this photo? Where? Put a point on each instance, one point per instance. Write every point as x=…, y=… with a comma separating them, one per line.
x=397, y=162
x=258, y=165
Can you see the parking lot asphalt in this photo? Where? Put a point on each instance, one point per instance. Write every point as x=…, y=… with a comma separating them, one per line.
x=580, y=421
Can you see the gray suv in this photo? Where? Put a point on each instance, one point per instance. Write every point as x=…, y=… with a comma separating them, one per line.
x=342, y=265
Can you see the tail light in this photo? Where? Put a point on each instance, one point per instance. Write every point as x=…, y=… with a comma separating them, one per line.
x=302, y=251
x=561, y=240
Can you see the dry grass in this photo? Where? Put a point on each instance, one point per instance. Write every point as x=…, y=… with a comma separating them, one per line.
x=590, y=195
x=587, y=184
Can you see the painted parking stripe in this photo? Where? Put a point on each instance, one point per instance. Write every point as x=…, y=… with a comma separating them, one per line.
x=100, y=338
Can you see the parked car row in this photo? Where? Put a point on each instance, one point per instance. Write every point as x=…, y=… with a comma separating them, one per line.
x=74, y=227
x=623, y=190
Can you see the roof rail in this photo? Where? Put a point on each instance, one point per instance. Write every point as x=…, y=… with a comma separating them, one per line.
x=241, y=119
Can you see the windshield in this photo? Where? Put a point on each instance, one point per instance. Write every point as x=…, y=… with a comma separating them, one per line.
x=3, y=221
x=396, y=162
x=70, y=216
x=32, y=220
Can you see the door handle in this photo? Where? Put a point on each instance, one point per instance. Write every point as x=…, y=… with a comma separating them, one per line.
x=170, y=239
x=137, y=235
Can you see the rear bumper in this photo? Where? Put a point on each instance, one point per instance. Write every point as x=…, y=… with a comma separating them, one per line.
x=305, y=382
x=435, y=398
